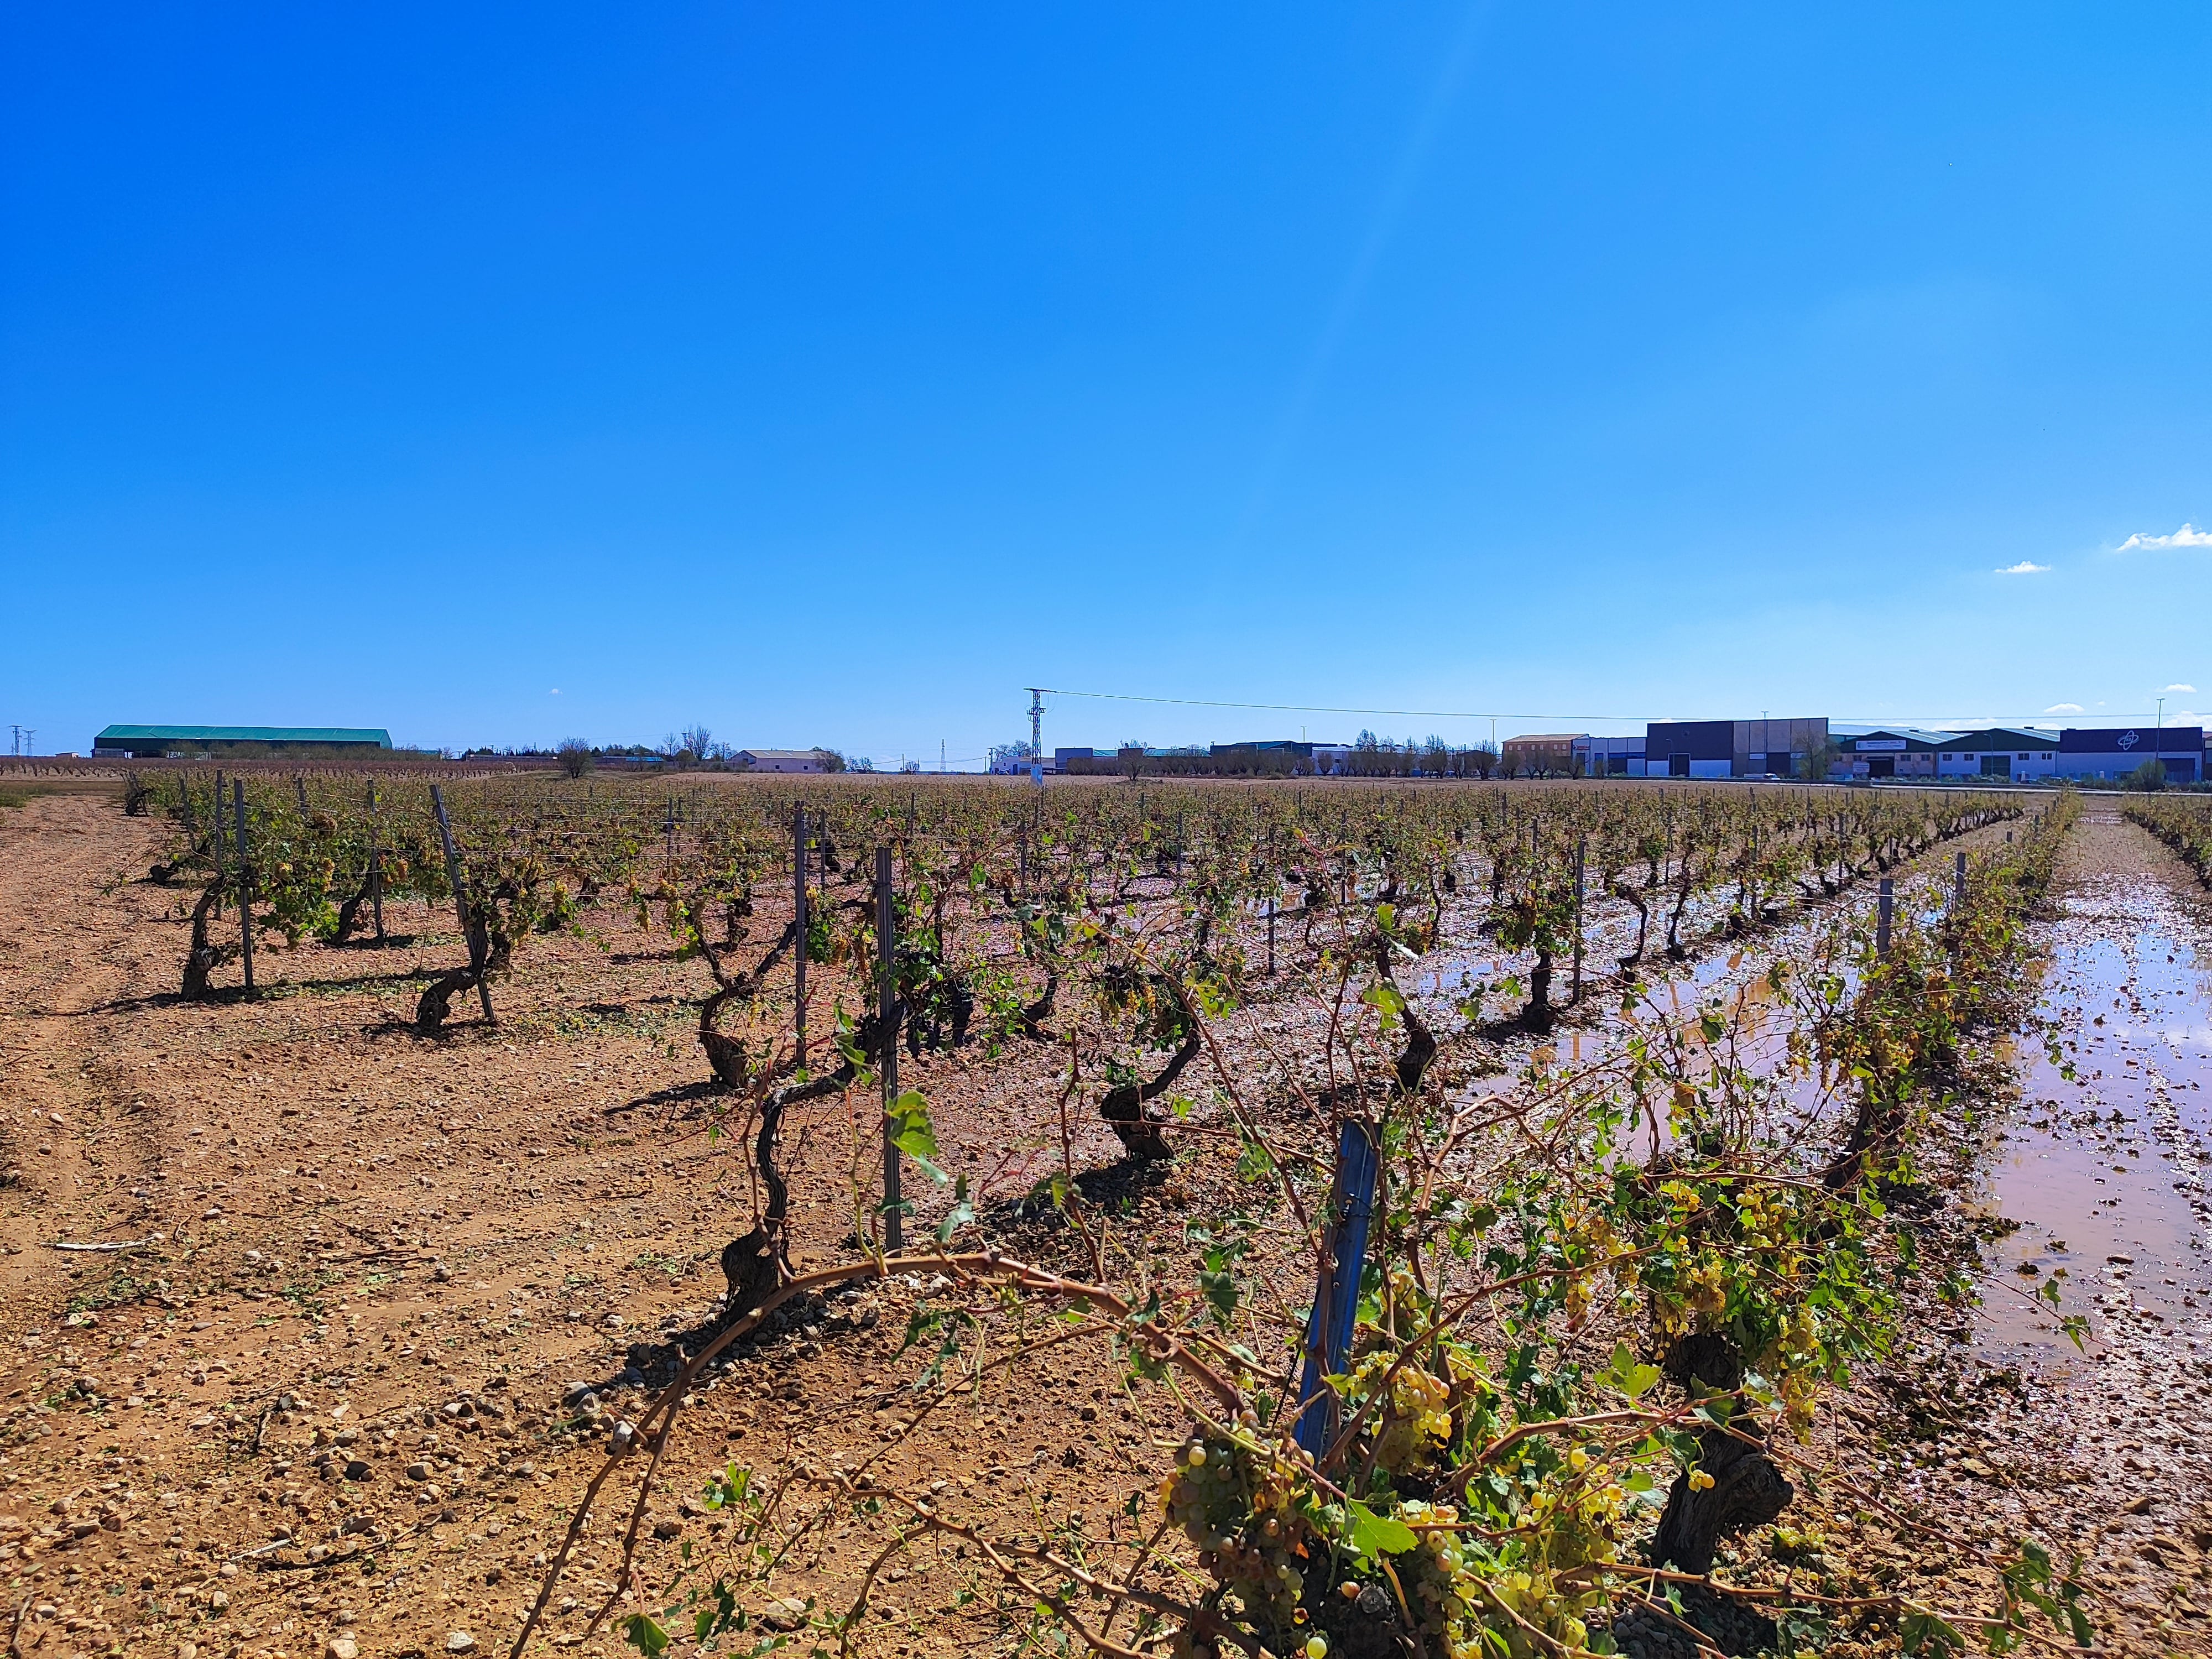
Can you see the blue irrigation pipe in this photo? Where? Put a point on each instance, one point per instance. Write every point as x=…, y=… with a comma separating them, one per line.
x=1336, y=1296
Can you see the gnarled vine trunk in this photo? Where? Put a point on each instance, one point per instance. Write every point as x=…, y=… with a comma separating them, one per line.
x=724, y=1054
x=349, y=908
x=1124, y=1109
x=1538, y=1014
x=202, y=957
x=1634, y=897
x=1747, y=1488
x=436, y=1002
x=755, y=1264
x=1034, y=1015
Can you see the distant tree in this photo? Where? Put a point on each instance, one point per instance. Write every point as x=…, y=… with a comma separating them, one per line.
x=2150, y=775
x=834, y=760
x=575, y=756
x=1009, y=757
x=860, y=764
x=1818, y=762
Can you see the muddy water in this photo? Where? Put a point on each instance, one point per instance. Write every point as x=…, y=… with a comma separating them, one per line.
x=2101, y=1169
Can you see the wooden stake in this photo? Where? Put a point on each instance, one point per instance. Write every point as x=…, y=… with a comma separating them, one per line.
x=244, y=886
x=375, y=866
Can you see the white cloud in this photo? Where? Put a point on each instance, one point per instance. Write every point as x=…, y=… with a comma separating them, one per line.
x=2188, y=535
x=2063, y=709
x=2023, y=568
x=2181, y=688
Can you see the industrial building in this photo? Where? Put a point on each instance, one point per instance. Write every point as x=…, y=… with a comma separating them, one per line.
x=2108, y=754
x=1609, y=758
x=1999, y=751
x=1888, y=751
x=1798, y=748
x=167, y=742
x=1733, y=749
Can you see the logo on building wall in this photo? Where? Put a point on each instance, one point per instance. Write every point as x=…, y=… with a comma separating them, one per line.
x=2129, y=739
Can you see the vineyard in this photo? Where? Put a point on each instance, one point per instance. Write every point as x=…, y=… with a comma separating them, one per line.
x=1454, y=1209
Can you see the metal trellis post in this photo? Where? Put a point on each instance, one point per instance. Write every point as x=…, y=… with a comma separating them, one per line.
x=798, y=916
x=1336, y=1295
x=887, y=1034
x=1581, y=849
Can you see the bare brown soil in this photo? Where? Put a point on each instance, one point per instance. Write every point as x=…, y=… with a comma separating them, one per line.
x=324, y=1401
x=372, y=1266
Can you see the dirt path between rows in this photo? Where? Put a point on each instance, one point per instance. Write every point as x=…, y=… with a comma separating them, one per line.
x=74, y=955
x=1989, y=1426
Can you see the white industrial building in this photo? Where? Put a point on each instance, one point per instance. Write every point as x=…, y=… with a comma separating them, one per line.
x=1999, y=751
x=1609, y=758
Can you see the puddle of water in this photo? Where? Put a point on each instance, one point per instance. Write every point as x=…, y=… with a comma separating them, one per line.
x=2103, y=1171
x=1453, y=981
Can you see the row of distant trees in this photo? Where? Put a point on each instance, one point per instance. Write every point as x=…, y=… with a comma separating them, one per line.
x=694, y=749
x=1425, y=757
x=1371, y=756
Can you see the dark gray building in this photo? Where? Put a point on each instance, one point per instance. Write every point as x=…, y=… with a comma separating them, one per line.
x=1733, y=749
x=2111, y=752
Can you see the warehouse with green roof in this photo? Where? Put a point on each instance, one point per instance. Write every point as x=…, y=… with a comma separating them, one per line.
x=161, y=742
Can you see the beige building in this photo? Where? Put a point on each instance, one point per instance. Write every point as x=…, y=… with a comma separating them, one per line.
x=783, y=760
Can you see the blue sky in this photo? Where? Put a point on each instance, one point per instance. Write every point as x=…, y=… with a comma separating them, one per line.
x=826, y=374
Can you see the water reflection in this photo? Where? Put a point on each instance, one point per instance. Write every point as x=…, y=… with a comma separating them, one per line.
x=2100, y=1172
